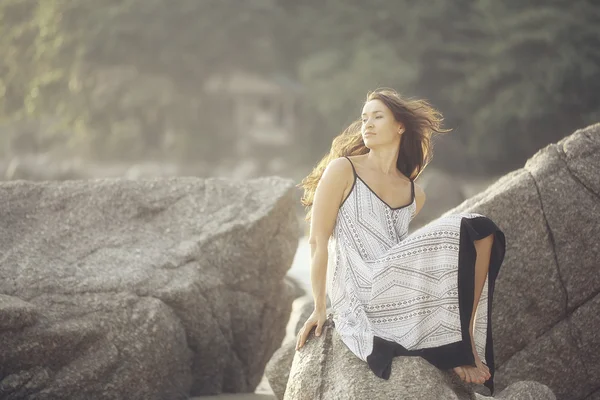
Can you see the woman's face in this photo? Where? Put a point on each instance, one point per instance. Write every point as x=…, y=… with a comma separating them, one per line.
x=379, y=126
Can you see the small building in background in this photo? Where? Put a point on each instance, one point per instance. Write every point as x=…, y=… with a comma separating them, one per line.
x=264, y=112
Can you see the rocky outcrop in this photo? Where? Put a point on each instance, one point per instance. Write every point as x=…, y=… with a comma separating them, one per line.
x=524, y=390
x=546, y=305
x=278, y=367
x=150, y=289
x=278, y=373
x=326, y=369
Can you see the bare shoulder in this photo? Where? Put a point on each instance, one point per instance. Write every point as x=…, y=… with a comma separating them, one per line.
x=338, y=170
x=419, y=197
x=329, y=194
x=335, y=182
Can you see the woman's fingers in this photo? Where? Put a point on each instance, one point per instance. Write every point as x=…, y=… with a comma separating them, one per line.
x=300, y=340
x=319, y=328
x=304, y=334
x=308, y=325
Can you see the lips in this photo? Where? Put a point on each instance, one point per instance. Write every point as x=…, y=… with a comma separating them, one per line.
x=369, y=133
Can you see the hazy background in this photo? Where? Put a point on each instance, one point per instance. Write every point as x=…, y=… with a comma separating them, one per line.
x=245, y=88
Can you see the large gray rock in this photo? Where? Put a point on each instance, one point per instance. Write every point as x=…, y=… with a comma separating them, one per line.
x=278, y=372
x=278, y=367
x=16, y=313
x=151, y=289
x=546, y=306
x=564, y=358
x=524, y=390
x=324, y=368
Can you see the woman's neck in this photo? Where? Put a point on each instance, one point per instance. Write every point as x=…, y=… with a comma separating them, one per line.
x=383, y=160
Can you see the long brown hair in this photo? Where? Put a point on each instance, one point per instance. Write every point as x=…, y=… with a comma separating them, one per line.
x=420, y=122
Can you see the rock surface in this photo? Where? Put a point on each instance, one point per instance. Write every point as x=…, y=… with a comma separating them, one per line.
x=324, y=368
x=150, y=289
x=524, y=390
x=546, y=305
x=278, y=372
x=278, y=367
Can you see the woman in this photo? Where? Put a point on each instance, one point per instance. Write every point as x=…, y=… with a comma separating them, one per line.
x=426, y=294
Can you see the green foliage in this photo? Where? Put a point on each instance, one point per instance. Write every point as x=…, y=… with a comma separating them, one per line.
x=510, y=77
x=121, y=75
x=540, y=80
x=115, y=77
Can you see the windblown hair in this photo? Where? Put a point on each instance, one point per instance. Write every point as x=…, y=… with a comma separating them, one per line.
x=420, y=121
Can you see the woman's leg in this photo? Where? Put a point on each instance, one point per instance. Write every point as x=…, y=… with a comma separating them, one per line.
x=483, y=248
x=482, y=264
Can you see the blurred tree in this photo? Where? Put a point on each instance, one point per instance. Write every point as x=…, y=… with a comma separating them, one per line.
x=127, y=76
x=340, y=50
x=125, y=73
x=538, y=78
x=510, y=77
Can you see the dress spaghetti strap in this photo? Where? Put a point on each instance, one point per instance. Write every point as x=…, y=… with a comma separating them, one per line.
x=351, y=163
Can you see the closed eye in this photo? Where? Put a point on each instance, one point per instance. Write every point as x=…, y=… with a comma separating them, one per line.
x=377, y=117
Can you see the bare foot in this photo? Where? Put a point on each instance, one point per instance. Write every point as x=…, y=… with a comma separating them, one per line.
x=478, y=374
x=483, y=369
x=470, y=374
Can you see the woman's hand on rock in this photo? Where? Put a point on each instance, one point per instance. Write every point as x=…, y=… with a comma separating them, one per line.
x=317, y=318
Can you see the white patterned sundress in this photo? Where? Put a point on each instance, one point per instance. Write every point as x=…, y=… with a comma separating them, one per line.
x=395, y=294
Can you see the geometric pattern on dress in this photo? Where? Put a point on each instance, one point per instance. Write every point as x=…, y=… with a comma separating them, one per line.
x=383, y=282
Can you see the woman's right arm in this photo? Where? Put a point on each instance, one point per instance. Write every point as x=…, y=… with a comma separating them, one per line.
x=329, y=194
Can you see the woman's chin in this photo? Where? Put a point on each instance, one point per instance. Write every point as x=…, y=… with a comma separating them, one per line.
x=370, y=141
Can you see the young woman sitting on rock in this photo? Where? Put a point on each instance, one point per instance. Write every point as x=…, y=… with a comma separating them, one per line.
x=425, y=294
